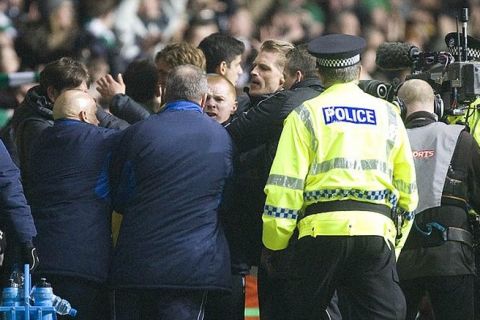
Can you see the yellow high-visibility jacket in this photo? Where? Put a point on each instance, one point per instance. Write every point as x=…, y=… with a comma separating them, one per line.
x=343, y=144
x=473, y=119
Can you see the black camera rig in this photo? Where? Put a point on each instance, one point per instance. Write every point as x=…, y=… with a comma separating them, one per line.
x=453, y=74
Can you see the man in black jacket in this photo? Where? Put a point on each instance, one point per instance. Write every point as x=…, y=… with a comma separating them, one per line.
x=35, y=113
x=438, y=256
x=255, y=134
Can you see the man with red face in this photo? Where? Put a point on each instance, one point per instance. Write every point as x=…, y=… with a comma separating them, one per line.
x=221, y=101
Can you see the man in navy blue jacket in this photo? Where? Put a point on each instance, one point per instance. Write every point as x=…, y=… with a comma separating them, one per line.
x=171, y=169
x=71, y=204
x=15, y=217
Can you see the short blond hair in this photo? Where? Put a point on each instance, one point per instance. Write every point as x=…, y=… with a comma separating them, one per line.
x=180, y=53
x=280, y=47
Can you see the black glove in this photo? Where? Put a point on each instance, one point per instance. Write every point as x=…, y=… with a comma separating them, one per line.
x=277, y=263
x=29, y=255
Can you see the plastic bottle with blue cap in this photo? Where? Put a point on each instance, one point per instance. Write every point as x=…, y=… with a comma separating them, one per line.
x=43, y=296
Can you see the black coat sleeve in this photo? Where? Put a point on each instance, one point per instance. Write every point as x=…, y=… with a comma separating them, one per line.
x=128, y=109
x=260, y=123
x=110, y=121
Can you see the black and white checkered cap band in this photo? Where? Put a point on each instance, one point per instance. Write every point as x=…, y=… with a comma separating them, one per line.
x=471, y=53
x=338, y=63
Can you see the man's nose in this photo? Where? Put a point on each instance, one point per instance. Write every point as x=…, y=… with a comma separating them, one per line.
x=210, y=103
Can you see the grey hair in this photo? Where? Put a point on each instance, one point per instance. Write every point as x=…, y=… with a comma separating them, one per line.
x=331, y=76
x=186, y=82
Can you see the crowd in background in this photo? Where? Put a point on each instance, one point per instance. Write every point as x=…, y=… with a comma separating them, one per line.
x=108, y=35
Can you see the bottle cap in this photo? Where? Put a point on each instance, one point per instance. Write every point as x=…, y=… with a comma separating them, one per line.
x=12, y=283
x=43, y=283
x=72, y=312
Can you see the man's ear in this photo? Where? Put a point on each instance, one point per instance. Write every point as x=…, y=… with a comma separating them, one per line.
x=221, y=68
x=52, y=94
x=235, y=106
x=83, y=116
x=298, y=76
x=203, y=101
x=282, y=81
x=158, y=91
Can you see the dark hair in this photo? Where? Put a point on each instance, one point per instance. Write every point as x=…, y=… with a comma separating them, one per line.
x=219, y=47
x=299, y=59
x=141, y=80
x=185, y=82
x=64, y=73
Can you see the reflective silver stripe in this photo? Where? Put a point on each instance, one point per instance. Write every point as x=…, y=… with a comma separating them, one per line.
x=306, y=118
x=287, y=182
x=343, y=163
x=392, y=130
x=405, y=187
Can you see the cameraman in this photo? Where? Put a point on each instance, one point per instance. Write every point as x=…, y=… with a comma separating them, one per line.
x=438, y=256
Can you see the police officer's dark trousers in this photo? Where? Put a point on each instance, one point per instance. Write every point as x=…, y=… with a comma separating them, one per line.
x=363, y=267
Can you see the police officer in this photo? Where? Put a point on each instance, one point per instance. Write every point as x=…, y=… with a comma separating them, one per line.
x=344, y=169
x=438, y=257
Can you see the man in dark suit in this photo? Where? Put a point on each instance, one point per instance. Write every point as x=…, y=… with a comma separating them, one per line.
x=171, y=170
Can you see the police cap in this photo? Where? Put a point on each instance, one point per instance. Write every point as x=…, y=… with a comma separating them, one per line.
x=473, y=45
x=337, y=50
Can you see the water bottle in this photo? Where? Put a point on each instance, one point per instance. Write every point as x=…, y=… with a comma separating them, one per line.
x=11, y=296
x=43, y=295
x=63, y=307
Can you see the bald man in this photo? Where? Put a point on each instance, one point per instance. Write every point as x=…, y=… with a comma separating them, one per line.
x=221, y=101
x=75, y=105
x=71, y=204
x=438, y=256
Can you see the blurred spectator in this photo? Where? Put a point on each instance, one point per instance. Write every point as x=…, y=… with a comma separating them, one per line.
x=97, y=67
x=142, y=25
x=99, y=40
x=284, y=25
x=201, y=26
x=10, y=97
x=346, y=22
x=54, y=36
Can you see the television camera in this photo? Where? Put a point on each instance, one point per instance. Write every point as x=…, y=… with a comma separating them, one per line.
x=453, y=74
